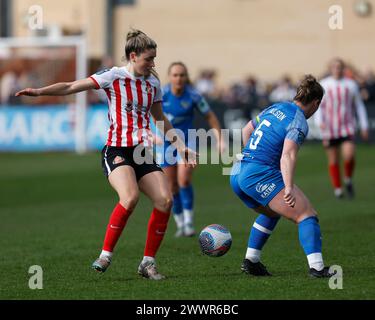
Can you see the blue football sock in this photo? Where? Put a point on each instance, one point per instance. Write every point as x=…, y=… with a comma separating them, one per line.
x=311, y=241
x=187, y=197
x=310, y=236
x=177, y=204
x=259, y=234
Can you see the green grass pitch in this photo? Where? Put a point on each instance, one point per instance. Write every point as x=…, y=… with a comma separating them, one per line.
x=54, y=209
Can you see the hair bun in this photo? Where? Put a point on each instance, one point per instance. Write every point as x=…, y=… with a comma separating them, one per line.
x=133, y=33
x=309, y=79
x=309, y=90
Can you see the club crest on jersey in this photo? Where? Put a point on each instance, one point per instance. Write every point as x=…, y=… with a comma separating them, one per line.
x=129, y=106
x=185, y=104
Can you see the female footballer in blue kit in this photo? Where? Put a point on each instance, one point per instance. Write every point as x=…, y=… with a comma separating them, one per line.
x=263, y=179
x=179, y=101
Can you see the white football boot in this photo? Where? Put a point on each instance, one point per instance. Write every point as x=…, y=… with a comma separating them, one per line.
x=148, y=270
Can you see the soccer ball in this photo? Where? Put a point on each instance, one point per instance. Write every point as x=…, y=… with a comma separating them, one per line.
x=215, y=240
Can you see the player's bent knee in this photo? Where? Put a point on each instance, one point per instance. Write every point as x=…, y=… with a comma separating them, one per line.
x=129, y=202
x=306, y=215
x=164, y=203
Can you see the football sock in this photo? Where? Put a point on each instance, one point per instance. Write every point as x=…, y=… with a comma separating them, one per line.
x=115, y=226
x=177, y=210
x=188, y=217
x=338, y=192
x=259, y=234
x=148, y=259
x=334, y=172
x=187, y=199
x=349, y=169
x=311, y=242
x=177, y=203
x=106, y=255
x=157, y=226
x=179, y=219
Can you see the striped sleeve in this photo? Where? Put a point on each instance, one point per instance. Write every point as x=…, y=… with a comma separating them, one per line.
x=104, y=78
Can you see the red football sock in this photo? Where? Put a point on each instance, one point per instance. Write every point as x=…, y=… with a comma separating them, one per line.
x=116, y=224
x=334, y=172
x=349, y=168
x=157, y=226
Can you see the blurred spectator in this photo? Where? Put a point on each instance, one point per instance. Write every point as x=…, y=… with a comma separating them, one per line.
x=107, y=63
x=284, y=91
x=99, y=96
x=8, y=82
x=250, y=94
x=205, y=84
x=368, y=87
x=235, y=96
x=13, y=79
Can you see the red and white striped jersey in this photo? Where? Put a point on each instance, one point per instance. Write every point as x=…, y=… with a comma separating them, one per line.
x=340, y=105
x=129, y=100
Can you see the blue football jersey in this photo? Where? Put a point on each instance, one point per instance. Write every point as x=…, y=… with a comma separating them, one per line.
x=278, y=122
x=180, y=109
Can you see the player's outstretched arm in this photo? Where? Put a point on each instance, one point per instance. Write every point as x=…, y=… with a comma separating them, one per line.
x=287, y=165
x=59, y=89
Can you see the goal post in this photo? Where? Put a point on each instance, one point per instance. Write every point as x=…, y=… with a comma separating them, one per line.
x=45, y=52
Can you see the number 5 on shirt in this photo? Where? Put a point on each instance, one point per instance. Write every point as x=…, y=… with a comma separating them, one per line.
x=258, y=133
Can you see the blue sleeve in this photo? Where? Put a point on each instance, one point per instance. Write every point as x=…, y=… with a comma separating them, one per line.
x=298, y=129
x=296, y=135
x=200, y=102
x=203, y=106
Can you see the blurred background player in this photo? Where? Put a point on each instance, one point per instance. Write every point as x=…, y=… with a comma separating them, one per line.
x=133, y=92
x=180, y=99
x=264, y=178
x=336, y=119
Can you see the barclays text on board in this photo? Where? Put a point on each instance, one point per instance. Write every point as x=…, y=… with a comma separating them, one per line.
x=49, y=128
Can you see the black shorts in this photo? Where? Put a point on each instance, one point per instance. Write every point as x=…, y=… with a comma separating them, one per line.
x=336, y=142
x=114, y=157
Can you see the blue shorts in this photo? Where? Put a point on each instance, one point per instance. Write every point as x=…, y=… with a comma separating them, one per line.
x=255, y=184
x=166, y=155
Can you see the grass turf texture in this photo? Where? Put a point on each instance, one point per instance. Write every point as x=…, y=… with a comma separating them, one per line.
x=55, y=208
